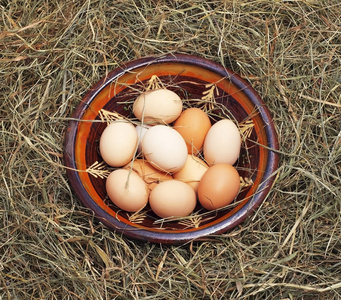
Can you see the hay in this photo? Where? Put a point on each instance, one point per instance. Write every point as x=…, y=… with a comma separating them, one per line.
x=51, y=247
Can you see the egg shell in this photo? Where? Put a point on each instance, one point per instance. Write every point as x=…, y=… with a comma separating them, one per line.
x=160, y=106
x=222, y=143
x=141, y=130
x=192, y=172
x=118, y=143
x=127, y=190
x=164, y=148
x=172, y=198
x=193, y=125
x=148, y=173
x=219, y=186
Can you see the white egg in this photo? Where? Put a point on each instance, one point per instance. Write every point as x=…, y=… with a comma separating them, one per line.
x=222, y=143
x=164, y=148
x=141, y=130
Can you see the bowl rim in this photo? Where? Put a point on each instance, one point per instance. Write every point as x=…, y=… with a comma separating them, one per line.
x=166, y=237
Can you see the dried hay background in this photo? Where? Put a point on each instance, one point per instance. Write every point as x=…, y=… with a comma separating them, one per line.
x=51, y=247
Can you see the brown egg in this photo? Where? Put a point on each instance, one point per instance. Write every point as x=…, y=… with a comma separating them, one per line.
x=172, y=198
x=218, y=186
x=193, y=124
x=192, y=172
x=148, y=173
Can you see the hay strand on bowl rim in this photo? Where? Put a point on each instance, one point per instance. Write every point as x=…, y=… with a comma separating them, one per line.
x=52, y=247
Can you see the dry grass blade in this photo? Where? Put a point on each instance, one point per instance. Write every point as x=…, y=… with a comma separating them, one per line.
x=52, y=52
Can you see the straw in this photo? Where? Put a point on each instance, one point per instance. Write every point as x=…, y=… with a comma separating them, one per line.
x=52, y=247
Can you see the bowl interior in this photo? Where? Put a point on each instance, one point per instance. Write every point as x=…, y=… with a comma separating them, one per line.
x=233, y=99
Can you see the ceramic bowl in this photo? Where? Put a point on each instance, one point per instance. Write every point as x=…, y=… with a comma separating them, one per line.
x=190, y=77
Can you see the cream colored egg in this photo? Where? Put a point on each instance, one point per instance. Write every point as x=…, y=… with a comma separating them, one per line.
x=222, y=143
x=192, y=172
x=148, y=173
x=127, y=190
x=172, y=198
x=160, y=106
x=164, y=148
x=118, y=143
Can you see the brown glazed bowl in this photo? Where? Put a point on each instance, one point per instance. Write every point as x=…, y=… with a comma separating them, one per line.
x=189, y=76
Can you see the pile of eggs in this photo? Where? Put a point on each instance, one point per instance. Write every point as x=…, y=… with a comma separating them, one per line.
x=174, y=158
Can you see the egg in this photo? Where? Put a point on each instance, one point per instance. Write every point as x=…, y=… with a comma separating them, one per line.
x=164, y=148
x=172, y=198
x=118, y=143
x=141, y=130
x=148, y=173
x=127, y=190
x=222, y=143
x=160, y=106
x=219, y=186
x=193, y=125
x=192, y=172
